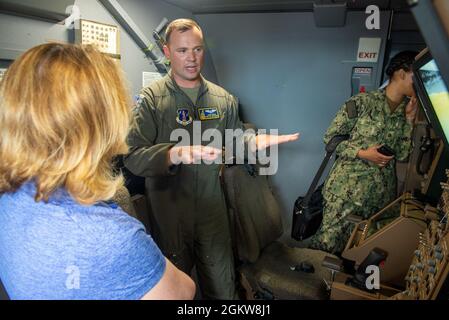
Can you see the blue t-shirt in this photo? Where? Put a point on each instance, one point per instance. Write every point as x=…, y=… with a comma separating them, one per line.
x=64, y=250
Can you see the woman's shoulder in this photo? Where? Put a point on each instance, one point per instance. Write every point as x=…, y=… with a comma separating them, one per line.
x=374, y=96
x=62, y=214
x=369, y=102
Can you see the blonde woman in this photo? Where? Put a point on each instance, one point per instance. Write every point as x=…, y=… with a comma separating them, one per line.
x=64, y=115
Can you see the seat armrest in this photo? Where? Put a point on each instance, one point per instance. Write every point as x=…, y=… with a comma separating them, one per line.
x=352, y=218
x=334, y=264
x=137, y=197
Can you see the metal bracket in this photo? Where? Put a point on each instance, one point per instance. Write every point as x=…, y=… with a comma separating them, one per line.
x=125, y=21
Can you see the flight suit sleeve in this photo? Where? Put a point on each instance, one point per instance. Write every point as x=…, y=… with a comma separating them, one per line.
x=233, y=120
x=344, y=123
x=146, y=158
x=404, y=143
x=246, y=137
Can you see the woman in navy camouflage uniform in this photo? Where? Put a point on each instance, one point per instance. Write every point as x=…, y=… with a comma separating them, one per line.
x=362, y=180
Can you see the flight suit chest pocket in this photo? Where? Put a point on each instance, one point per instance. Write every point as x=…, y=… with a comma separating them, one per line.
x=212, y=117
x=171, y=116
x=211, y=114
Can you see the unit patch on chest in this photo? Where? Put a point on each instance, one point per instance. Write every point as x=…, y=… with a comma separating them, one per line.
x=183, y=117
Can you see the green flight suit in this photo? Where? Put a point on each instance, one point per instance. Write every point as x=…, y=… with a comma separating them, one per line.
x=356, y=186
x=188, y=209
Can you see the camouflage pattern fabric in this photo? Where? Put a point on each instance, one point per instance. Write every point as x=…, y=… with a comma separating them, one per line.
x=335, y=230
x=356, y=186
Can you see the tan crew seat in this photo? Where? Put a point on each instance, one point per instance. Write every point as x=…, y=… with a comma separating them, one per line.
x=268, y=269
x=135, y=206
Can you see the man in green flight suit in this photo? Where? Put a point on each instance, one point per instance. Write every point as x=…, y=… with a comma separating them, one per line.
x=188, y=209
x=362, y=180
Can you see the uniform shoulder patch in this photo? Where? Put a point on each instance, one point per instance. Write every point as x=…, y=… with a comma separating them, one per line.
x=138, y=102
x=351, y=109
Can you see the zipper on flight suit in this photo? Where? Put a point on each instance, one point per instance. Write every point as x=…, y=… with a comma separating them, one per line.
x=196, y=117
x=194, y=104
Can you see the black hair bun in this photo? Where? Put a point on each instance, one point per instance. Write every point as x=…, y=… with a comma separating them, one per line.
x=402, y=60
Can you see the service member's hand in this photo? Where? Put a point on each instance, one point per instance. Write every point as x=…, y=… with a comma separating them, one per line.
x=264, y=141
x=192, y=154
x=411, y=110
x=371, y=154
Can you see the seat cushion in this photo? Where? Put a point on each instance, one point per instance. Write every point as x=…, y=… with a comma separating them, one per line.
x=272, y=277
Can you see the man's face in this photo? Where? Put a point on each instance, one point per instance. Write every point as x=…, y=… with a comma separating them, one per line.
x=186, y=53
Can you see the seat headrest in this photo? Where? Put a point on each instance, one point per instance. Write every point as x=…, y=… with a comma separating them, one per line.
x=255, y=212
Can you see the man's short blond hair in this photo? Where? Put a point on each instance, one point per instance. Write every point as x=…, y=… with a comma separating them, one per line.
x=180, y=25
x=64, y=116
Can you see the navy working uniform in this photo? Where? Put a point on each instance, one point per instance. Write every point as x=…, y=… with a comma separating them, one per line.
x=356, y=186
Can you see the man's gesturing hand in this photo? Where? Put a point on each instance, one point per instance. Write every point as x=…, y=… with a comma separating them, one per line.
x=264, y=141
x=192, y=154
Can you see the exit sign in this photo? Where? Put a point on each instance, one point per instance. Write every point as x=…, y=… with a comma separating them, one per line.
x=369, y=49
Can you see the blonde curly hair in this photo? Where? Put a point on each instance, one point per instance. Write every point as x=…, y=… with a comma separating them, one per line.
x=64, y=116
